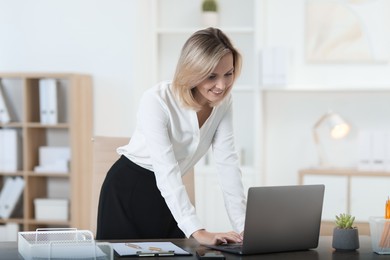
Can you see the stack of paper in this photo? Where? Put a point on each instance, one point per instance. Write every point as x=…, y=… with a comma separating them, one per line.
x=53, y=159
x=48, y=101
x=10, y=195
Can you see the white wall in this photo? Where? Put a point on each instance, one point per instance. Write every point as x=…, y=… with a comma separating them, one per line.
x=289, y=114
x=96, y=37
x=111, y=41
x=285, y=26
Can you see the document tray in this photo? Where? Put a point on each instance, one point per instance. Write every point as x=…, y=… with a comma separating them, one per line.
x=63, y=244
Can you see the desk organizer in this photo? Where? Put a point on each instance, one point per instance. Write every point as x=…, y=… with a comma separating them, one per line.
x=63, y=244
x=380, y=235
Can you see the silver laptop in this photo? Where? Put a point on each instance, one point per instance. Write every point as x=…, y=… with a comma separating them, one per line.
x=279, y=219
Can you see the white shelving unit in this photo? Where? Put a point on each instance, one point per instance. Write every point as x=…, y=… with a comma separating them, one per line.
x=273, y=125
x=172, y=29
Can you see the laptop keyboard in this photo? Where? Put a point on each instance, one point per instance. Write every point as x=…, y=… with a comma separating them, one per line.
x=231, y=246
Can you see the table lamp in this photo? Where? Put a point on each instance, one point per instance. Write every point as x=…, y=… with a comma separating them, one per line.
x=338, y=129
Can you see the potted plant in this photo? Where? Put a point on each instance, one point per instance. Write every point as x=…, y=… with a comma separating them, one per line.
x=210, y=13
x=345, y=235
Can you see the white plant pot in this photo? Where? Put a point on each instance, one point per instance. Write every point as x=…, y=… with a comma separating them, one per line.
x=210, y=19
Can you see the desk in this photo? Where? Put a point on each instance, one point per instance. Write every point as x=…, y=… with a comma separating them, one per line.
x=9, y=251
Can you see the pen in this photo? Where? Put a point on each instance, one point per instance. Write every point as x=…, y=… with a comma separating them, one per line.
x=152, y=248
x=133, y=245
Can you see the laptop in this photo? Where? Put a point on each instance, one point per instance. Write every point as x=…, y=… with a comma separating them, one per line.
x=280, y=219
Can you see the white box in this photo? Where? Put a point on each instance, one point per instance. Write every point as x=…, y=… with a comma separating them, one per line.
x=53, y=159
x=51, y=209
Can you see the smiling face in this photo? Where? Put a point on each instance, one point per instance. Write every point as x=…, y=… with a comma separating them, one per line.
x=217, y=85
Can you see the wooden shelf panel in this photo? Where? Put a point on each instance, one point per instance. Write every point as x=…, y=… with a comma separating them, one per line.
x=48, y=222
x=12, y=220
x=32, y=174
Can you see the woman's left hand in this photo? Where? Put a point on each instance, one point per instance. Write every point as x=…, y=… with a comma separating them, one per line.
x=210, y=238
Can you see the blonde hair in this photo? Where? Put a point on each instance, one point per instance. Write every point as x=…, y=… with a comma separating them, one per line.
x=199, y=56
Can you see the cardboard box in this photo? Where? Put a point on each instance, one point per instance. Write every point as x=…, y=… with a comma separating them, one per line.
x=51, y=209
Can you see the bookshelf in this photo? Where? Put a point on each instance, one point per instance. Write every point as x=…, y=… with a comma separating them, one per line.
x=73, y=130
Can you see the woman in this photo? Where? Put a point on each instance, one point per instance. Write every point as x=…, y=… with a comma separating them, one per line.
x=143, y=195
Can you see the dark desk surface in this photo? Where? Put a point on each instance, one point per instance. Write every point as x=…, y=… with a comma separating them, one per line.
x=9, y=251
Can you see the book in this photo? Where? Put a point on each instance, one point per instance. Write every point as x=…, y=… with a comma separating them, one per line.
x=4, y=112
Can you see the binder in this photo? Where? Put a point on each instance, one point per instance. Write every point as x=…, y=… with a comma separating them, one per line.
x=48, y=101
x=13, y=191
x=378, y=151
x=364, y=150
x=387, y=156
x=280, y=66
x=43, y=101
x=5, y=191
x=4, y=112
x=52, y=108
x=267, y=67
x=9, y=150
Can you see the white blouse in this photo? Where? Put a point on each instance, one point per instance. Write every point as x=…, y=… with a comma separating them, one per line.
x=167, y=140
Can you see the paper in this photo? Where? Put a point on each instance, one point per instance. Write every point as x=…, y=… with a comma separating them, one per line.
x=148, y=249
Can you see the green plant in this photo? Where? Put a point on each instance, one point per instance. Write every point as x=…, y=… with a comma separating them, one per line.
x=209, y=6
x=344, y=221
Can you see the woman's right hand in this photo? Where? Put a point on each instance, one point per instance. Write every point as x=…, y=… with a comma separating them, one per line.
x=210, y=238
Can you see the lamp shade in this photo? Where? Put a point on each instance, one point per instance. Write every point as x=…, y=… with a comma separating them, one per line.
x=338, y=128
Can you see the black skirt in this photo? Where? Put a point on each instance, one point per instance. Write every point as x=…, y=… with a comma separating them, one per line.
x=131, y=205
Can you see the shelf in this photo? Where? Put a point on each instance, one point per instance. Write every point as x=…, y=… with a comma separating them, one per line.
x=48, y=174
x=344, y=171
x=48, y=222
x=39, y=125
x=12, y=220
x=12, y=174
x=11, y=125
x=73, y=130
x=321, y=89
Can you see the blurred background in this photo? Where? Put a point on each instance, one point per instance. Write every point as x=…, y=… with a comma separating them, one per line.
x=302, y=60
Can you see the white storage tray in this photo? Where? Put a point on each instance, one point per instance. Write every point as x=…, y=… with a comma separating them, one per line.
x=62, y=244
